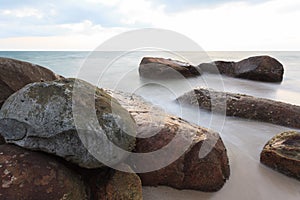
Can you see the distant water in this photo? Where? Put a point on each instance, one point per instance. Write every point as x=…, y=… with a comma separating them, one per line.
x=244, y=139
x=65, y=63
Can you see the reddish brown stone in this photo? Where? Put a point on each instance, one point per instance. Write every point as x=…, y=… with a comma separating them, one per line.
x=282, y=153
x=244, y=106
x=160, y=68
x=32, y=175
x=15, y=74
x=259, y=68
x=188, y=171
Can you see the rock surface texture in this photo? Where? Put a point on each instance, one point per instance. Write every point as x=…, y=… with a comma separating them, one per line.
x=282, y=153
x=259, y=68
x=160, y=68
x=33, y=175
x=15, y=74
x=40, y=116
x=244, y=106
x=157, y=129
x=119, y=186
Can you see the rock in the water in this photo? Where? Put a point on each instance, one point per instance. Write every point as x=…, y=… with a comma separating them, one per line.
x=15, y=74
x=259, y=68
x=41, y=116
x=160, y=68
x=282, y=153
x=33, y=175
x=188, y=171
x=118, y=185
x=244, y=106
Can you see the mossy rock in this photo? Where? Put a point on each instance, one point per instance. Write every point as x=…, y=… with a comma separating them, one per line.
x=69, y=118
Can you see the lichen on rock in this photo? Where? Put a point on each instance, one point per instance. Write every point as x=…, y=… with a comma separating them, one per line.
x=87, y=129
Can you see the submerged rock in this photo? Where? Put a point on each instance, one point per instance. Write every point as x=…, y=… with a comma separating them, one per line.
x=160, y=68
x=33, y=175
x=156, y=129
x=15, y=74
x=41, y=116
x=282, y=153
x=244, y=106
x=259, y=68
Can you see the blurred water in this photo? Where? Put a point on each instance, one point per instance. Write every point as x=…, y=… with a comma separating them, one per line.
x=244, y=139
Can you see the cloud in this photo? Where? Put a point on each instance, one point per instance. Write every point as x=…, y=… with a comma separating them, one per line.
x=62, y=42
x=181, y=5
x=140, y=11
x=215, y=25
x=20, y=13
x=237, y=25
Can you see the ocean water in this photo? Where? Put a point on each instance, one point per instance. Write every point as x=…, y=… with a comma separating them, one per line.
x=244, y=139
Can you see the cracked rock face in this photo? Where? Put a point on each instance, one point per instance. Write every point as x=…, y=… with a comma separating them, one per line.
x=15, y=74
x=282, y=153
x=41, y=116
x=33, y=175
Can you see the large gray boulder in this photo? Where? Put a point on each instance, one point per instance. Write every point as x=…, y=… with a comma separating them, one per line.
x=259, y=68
x=15, y=74
x=41, y=116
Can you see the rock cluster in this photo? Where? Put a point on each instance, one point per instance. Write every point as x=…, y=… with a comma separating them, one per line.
x=50, y=142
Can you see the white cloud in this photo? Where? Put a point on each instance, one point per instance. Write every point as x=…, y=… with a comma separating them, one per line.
x=230, y=26
x=105, y=2
x=270, y=25
x=76, y=39
x=140, y=11
x=84, y=27
x=24, y=12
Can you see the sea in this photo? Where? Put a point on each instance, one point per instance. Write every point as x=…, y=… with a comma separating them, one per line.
x=244, y=139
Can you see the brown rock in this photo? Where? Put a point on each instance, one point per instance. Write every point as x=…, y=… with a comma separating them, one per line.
x=15, y=74
x=245, y=106
x=27, y=175
x=259, y=68
x=158, y=68
x=188, y=171
x=282, y=153
x=119, y=186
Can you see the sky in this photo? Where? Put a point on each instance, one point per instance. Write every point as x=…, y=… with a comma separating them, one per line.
x=225, y=25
